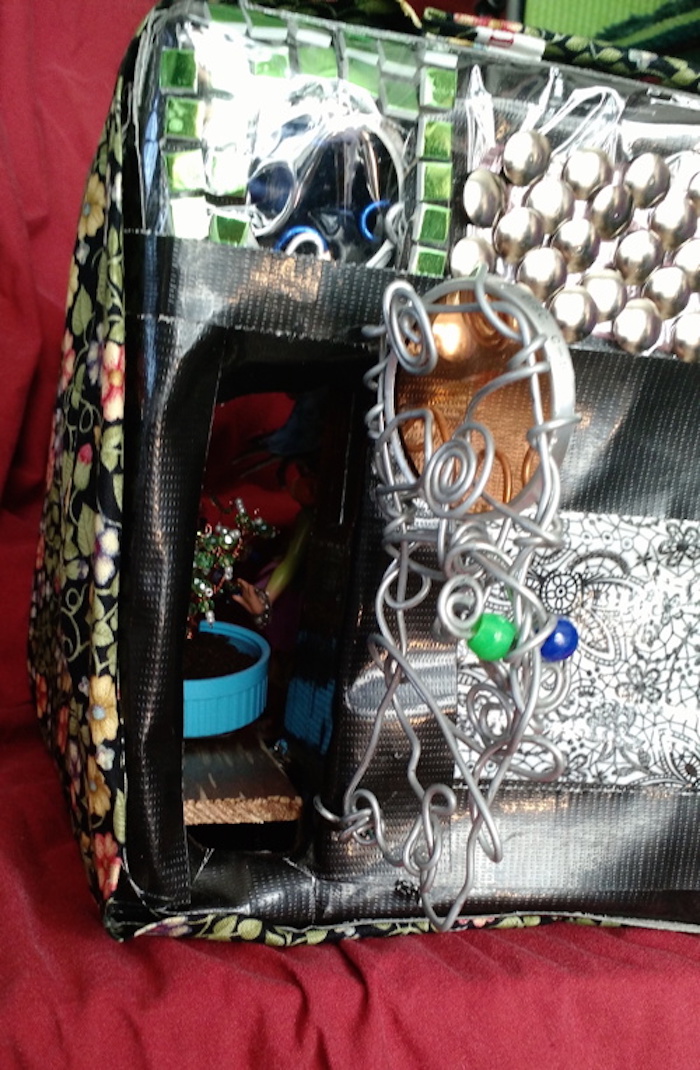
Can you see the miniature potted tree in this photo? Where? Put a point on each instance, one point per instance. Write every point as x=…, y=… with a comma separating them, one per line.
x=225, y=665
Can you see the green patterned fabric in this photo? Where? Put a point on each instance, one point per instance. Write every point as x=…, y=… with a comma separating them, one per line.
x=637, y=62
x=648, y=24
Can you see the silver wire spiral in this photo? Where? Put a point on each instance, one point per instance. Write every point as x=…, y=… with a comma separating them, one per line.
x=438, y=544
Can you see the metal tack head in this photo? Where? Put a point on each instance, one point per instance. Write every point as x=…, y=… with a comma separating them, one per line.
x=693, y=191
x=553, y=199
x=578, y=243
x=586, y=171
x=469, y=254
x=637, y=255
x=516, y=232
x=608, y=292
x=611, y=211
x=688, y=258
x=575, y=312
x=647, y=178
x=668, y=288
x=484, y=197
x=674, y=220
x=525, y=157
x=686, y=338
x=638, y=326
x=543, y=271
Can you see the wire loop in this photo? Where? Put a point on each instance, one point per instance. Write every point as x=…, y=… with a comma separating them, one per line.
x=455, y=548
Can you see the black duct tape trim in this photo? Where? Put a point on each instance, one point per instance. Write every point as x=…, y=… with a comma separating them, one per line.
x=202, y=316
x=254, y=290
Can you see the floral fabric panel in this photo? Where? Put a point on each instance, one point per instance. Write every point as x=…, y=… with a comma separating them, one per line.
x=630, y=585
x=74, y=616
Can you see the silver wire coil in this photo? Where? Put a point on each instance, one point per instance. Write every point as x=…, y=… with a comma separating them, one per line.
x=437, y=542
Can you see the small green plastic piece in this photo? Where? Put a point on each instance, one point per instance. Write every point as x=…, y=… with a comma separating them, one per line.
x=435, y=139
x=178, y=69
x=438, y=87
x=427, y=262
x=494, y=637
x=432, y=224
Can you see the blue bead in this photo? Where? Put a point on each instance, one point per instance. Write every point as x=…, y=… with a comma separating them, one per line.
x=562, y=643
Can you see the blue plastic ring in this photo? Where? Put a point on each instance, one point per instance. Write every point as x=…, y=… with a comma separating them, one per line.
x=300, y=232
x=374, y=206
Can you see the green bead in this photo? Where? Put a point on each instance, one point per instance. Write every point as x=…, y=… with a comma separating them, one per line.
x=493, y=638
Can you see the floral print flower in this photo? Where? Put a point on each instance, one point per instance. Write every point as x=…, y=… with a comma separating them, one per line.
x=72, y=283
x=105, y=758
x=41, y=692
x=106, y=551
x=93, y=361
x=67, y=361
x=102, y=712
x=74, y=766
x=40, y=551
x=682, y=547
x=62, y=728
x=98, y=793
x=92, y=214
x=107, y=863
x=113, y=381
x=641, y=685
x=115, y=191
x=85, y=454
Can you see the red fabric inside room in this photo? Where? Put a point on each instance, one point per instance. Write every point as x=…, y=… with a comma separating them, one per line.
x=563, y=996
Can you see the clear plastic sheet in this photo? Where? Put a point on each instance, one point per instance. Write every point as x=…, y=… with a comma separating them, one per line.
x=305, y=137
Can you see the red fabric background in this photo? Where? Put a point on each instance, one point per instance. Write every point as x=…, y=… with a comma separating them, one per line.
x=564, y=996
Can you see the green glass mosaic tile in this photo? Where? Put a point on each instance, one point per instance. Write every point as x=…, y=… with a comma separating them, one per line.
x=178, y=69
x=317, y=62
x=435, y=139
x=361, y=42
x=398, y=58
x=432, y=224
x=400, y=99
x=185, y=170
x=427, y=262
x=438, y=88
x=364, y=73
x=183, y=117
x=190, y=218
x=274, y=65
x=264, y=27
x=228, y=173
x=226, y=230
x=227, y=13
x=435, y=182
